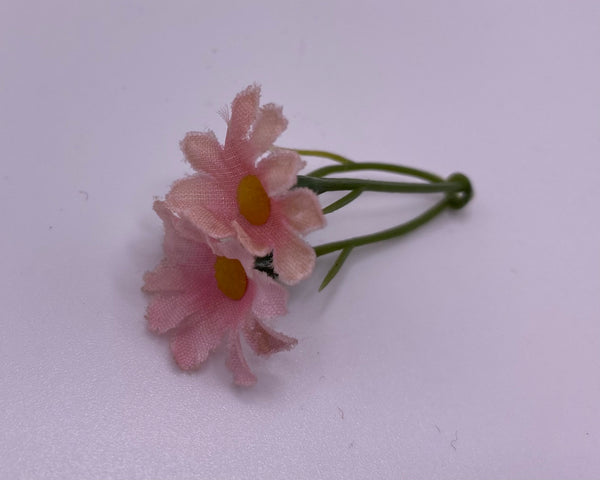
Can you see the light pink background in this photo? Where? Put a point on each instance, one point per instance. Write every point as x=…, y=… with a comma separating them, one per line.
x=470, y=349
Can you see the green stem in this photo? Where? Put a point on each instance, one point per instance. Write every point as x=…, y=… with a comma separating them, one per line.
x=387, y=234
x=382, y=167
x=335, y=268
x=321, y=185
x=323, y=154
x=342, y=202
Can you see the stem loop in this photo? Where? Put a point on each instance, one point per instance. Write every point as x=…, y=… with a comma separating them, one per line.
x=457, y=190
x=460, y=198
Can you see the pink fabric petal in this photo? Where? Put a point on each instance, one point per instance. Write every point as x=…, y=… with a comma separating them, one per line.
x=185, y=231
x=166, y=311
x=293, y=259
x=278, y=171
x=265, y=341
x=242, y=375
x=166, y=277
x=302, y=210
x=203, y=151
x=202, y=190
x=208, y=222
x=189, y=256
x=183, y=244
x=269, y=124
x=203, y=204
x=194, y=340
x=244, y=109
x=254, y=245
x=270, y=299
x=185, y=254
x=221, y=309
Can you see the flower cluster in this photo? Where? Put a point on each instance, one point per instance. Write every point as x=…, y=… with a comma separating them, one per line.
x=234, y=233
x=240, y=205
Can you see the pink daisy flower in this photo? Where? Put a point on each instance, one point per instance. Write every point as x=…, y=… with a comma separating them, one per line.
x=203, y=292
x=234, y=196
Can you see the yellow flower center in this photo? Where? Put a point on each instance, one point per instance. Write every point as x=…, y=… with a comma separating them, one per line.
x=231, y=277
x=253, y=201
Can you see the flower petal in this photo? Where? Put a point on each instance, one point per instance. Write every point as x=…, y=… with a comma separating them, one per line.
x=302, y=210
x=208, y=222
x=196, y=337
x=244, y=109
x=278, y=171
x=293, y=259
x=184, y=245
x=269, y=124
x=203, y=151
x=201, y=201
x=242, y=375
x=264, y=341
x=166, y=311
x=166, y=277
x=252, y=244
x=270, y=299
x=200, y=189
x=177, y=228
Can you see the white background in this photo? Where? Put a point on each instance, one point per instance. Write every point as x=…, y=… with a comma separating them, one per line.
x=469, y=349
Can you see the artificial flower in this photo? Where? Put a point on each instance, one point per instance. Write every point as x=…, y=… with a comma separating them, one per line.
x=233, y=195
x=237, y=224
x=204, y=290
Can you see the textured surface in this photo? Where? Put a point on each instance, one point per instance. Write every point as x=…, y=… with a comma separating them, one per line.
x=470, y=349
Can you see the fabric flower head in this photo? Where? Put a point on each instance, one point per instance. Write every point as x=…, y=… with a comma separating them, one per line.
x=234, y=196
x=204, y=290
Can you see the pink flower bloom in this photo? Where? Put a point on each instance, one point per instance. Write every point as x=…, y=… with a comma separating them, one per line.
x=233, y=196
x=203, y=292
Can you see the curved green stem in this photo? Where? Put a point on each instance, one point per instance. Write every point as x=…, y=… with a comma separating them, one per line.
x=457, y=190
x=321, y=185
x=348, y=165
x=387, y=234
x=323, y=154
x=342, y=202
x=377, y=166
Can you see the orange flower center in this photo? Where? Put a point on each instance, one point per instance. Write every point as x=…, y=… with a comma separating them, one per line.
x=231, y=277
x=253, y=201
